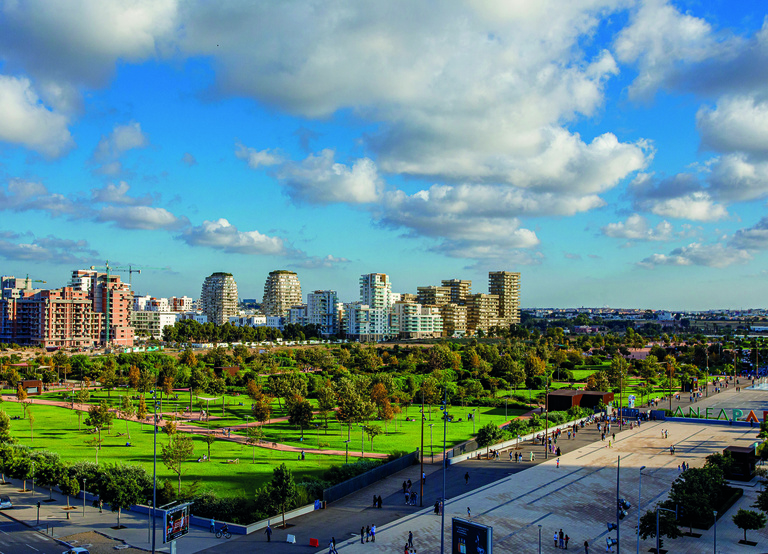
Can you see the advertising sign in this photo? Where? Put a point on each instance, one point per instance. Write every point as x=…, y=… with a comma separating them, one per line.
x=470, y=538
x=176, y=523
x=631, y=399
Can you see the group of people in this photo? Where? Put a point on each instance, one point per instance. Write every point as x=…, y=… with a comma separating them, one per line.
x=410, y=494
x=376, y=501
x=561, y=539
x=368, y=534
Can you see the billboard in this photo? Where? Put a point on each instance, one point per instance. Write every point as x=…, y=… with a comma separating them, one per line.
x=176, y=523
x=470, y=538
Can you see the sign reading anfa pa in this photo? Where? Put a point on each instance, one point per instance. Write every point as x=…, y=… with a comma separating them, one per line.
x=736, y=414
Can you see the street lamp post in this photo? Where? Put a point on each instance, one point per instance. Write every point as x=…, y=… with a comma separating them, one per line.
x=618, y=507
x=346, y=443
x=33, y=479
x=431, y=453
x=714, y=512
x=505, y=410
x=539, y=538
x=362, y=440
x=546, y=423
x=154, y=476
x=83, y=497
x=421, y=455
x=442, y=507
x=473, y=420
x=658, y=539
x=639, y=496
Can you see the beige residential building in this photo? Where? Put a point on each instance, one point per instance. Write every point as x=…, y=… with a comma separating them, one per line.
x=410, y=320
x=506, y=285
x=218, y=297
x=433, y=296
x=454, y=319
x=282, y=290
x=482, y=312
x=460, y=290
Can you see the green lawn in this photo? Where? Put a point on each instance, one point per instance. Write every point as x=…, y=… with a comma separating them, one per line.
x=55, y=429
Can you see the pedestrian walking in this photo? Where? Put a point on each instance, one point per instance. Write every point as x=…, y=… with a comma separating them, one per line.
x=555, y=539
x=561, y=538
x=567, y=538
x=510, y=456
x=367, y=533
x=375, y=500
x=614, y=437
x=466, y=478
x=533, y=456
x=213, y=525
x=469, y=513
x=405, y=550
x=423, y=477
x=586, y=547
x=558, y=463
x=410, y=539
x=379, y=502
x=362, y=535
x=268, y=533
x=373, y=533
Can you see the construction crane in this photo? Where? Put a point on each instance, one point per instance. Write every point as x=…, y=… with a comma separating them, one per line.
x=133, y=269
x=121, y=269
x=28, y=284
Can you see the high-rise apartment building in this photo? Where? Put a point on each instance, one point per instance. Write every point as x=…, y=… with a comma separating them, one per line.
x=219, y=297
x=454, y=319
x=482, y=312
x=112, y=301
x=460, y=290
x=323, y=310
x=376, y=291
x=368, y=319
x=506, y=285
x=433, y=296
x=410, y=320
x=281, y=291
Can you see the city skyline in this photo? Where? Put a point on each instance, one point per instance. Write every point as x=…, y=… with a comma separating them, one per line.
x=613, y=153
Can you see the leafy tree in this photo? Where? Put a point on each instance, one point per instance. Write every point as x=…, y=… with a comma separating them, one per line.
x=253, y=436
x=5, y=427
x=487, y=435
x=141, y=411
x=7, y=457
x=763, y=430
x=134, y=375
x=300, y=414
x=108, y=380
x=667, y=525
x=21, y=396
x=262, y=410
x=697, y=489
x=21, y=468
x=282, y=487
x=353, y=408
x=169, y=428
x=749, y=519
x=122, y=487
x=69, y=486
x=209, y=439
x=126, y=411
x=99, y=417
x=49, y=471
x=326, y=401
x=372, y=431
x=167, y=385
x=176, y=452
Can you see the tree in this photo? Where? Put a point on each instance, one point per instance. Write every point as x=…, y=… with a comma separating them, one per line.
x=21, y=469
x=99, y=417
x=141, y=411
x=49, y=471
x=134, y=375
x=667, y=525
x=300, y=414
x=209, y=439
x=253, y=436
x=353, y=408
x=748, y=519
x=79, y=418
x=176, y=452
x=167, y=385
x=21, y=396
x=69, y=486
x=108, y=380
x=282, y=489
x=262, y=410
x=372, y=431
x=5, y=427
x=31, y=418
x=326, y=402
x=126, y=412
x=122, y=486
x=697, y=489
x=487, y=435
x=7, y=457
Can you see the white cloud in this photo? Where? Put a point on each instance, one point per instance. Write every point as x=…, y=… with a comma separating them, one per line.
x=318, y=179
x=110, y=148
x=751, y=238
x=118, y=194
x=697, y=206
x=636, y=228
x=321, y=262
x=257, y=158
x=26, y=121
x=708, y=255
x=736, y=124
x=737, y=178
x=222, y=235
x=139, y=217
x=46, y=249
x=23, y=195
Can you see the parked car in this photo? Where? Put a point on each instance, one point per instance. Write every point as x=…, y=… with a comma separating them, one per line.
x=5, y=502
x=77, y=550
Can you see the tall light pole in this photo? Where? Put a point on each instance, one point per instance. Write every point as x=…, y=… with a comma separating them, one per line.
x=362, y=440
x=442, y=511
x=154, y=476
x=83, y=497
x=346, y=443
x=618, y=506
x=539, y=538
x=658, y=539
x=421, y=454
x=639, y=496
x=431, y=453
x=714, y=512
x=473, y=420
x=546, y=423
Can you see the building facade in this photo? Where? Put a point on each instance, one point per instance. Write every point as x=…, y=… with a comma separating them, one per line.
x=411, y=320
x=506, y=285
x=324, y=310
x=460, y=290
x=482, y=312
x=218, y=297
x=281, y=291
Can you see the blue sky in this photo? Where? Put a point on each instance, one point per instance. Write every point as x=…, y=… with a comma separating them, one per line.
x=613, y=152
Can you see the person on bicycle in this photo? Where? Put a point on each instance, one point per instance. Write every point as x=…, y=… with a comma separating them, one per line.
x=224, y=529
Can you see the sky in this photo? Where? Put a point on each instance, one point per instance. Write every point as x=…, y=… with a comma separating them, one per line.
x=613, y=152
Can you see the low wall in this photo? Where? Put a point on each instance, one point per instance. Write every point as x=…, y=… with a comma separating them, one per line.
x=511, y=442
x=349, y=486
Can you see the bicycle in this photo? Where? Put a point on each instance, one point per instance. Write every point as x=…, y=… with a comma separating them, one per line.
x=224, y=532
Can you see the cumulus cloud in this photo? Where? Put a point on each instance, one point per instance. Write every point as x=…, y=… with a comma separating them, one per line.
x=636, y=227
x=118, y=194
x=26, y=121
x=139, y=217
x=45, y=249
x=22, y=195
x=321, y=262
x=257, y=158
x=737, y=178
x=318, y=179
x=222, y=235
x=751, y=238
x=123, y=138
x=708, y=255
x=680, y=197
x=736, y=124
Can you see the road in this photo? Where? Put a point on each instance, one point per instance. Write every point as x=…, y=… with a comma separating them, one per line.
x=16, y=538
